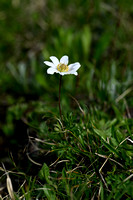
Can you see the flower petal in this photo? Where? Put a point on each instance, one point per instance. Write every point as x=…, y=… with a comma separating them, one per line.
x=66, y=73
x=71, y=72
x=64, y=60
x=51, y=70
x=62, y=73
x=54, y=60
x=75, y=73
x=74, y=66
x=49, y=64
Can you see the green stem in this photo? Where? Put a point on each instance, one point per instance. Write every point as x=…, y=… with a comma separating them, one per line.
x=60, y=98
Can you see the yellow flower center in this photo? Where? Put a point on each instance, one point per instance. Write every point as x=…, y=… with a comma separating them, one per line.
x=62, y=67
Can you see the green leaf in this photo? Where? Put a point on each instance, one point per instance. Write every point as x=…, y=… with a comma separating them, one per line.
x=64, y=180
x=49, y=192
x=103, y=134
x=44, y=174
x=110, y=148
x=101, y=191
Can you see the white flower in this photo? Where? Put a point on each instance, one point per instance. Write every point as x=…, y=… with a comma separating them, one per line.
x=62, y=66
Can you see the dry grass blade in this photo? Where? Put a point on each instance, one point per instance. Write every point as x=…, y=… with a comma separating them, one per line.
x=100, y=170
x=36, y=163
x=78, y=105
x=74, y=169
x=41, y=141
x=20, y=173
x=128, y=178
x=22, y=185
x=125, y=93
x=9, y=185
x=93, y=197
x=127, y=109
x=54, y=162
x=103, y=156
x=99, y=193
x=61, y=161
x=130, y=140
x=104, y=182
x=60, y=123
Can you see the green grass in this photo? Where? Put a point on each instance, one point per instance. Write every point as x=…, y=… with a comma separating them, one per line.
x=89, y=154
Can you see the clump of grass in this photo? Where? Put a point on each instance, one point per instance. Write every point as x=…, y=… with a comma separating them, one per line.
x=88, y=157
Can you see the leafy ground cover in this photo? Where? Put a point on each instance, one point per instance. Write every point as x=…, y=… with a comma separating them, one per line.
x=89, y=154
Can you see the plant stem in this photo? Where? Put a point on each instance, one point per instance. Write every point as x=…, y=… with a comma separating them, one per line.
x=59, y=98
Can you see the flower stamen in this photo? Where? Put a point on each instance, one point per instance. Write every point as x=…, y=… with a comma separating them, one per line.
x=62, y=67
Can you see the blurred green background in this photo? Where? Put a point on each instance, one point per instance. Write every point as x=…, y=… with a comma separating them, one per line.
x=98, y=34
